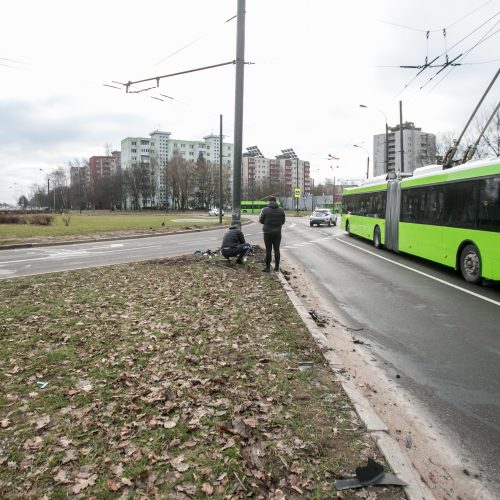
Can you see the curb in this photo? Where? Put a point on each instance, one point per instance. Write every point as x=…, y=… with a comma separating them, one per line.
x=376, y=428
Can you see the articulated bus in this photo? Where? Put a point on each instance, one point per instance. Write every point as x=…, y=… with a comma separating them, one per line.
x=252, y=207
x=449, y=216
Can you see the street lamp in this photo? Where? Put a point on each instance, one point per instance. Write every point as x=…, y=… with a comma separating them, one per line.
x=367, y=158
x=48, y=189
x=334, y=194
x=386, y=137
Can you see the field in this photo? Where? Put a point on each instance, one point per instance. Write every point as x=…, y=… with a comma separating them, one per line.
x=99, y=225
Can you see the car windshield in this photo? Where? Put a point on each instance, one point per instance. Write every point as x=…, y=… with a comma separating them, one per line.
x=320, y=212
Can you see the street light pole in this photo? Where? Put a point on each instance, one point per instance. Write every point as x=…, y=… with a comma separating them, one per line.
x=367, y=158
x=364, y=106
x=297, y=185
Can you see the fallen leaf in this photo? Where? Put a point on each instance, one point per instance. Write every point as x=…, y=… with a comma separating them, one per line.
x=178, y=464
x=81, y=484
x=5, y=423
x=207, y=488
x=61, y=476
x=42, y=422
x=69, y=456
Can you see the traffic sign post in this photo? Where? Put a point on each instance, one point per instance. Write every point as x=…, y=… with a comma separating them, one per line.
x=297, y=197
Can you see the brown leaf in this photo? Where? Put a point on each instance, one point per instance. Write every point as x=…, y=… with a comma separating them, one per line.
x=178, y=464
x=61, y=476
x=81, y=484
x=42, y=422
x=5, y=423
x=64, y=442
x=69, y=456
x=207, y=488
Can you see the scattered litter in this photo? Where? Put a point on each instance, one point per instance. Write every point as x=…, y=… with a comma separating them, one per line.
x=320, y=320
x=305, y=365
x=372, y=474
x=42, y=384
x=361, y=342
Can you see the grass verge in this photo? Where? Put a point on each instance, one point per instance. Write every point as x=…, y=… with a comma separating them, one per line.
x=177, y=378
x=83, y=226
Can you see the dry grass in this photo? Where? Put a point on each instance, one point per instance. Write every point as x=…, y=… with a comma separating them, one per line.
x=175, y=379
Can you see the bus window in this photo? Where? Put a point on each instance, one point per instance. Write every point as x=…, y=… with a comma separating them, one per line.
x=488, y=214
x=460, y=204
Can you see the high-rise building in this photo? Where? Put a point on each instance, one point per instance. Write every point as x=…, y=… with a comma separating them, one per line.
x=157, y=150
x=280, y=176
x=419, y=149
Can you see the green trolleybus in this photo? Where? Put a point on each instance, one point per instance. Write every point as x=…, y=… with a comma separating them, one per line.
x=252, y=207
x=449, y=216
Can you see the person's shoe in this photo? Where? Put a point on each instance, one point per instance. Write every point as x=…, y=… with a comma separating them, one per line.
x=266, y=270
x=276, y=269
x=239, y=261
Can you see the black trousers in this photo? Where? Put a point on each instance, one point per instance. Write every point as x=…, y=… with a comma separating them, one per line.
x=272, y=241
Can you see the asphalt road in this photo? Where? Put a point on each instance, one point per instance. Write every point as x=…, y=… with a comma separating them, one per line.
x=440, y=334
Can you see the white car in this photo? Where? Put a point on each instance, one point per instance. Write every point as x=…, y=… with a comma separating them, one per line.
x=322, y=216
x=214, y=211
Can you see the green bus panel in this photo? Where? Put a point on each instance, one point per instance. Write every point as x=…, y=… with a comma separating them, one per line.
x=363, y=226
x=442, y=244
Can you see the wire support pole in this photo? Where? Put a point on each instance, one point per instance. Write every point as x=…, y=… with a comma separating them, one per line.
x=158, y=78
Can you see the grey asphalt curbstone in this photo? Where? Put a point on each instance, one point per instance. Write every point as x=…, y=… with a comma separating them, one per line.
x=399, y=463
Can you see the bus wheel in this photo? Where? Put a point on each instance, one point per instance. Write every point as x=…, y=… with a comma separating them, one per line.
x=377, y=243
x=470, y=264
x=348, y=228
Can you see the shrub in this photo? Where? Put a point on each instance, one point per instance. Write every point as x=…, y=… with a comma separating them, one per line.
x=66, y=218
x=34, y=219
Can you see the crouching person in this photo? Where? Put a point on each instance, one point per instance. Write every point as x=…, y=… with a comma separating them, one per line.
x=234, y=244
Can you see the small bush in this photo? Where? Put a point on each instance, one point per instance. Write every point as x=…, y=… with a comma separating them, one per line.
x=66, y=219
x=34, y=219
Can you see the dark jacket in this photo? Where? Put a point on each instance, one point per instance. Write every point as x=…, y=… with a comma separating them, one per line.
x=273, y=217
x=233, y=237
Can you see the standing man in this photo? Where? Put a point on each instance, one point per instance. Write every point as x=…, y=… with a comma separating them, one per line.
x=234, y=244
x=272, y=217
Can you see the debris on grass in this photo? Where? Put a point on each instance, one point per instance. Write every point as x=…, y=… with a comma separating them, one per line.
x=168, y=379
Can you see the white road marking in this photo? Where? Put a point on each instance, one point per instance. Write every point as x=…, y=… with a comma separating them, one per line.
x=487, y=299
x=75, y=253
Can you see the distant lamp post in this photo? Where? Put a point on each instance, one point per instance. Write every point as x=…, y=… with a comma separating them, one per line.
x=334, y=194
x=367, y=158
x=364, y=106
x=48, y=190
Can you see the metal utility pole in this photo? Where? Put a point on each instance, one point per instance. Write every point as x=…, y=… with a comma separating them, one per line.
x=297, y=184
x=401, y=135
x=238, y=113
x=386, y=148
x=220, y=171
x=448, y=159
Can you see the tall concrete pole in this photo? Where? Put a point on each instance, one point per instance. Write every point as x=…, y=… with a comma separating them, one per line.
x=401, y=135
x=220, y=172
x=238, y=113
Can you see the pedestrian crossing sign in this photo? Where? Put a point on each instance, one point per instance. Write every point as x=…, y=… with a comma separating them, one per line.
x=297, y=192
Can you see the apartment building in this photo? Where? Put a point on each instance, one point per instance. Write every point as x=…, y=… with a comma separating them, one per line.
x=159, y=148
x=419, y=149
x=279, y=175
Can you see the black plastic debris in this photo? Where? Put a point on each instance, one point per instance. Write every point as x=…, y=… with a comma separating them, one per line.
x=320, y=320
x=372, y=474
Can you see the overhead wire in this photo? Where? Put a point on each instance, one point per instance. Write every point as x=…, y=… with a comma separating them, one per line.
x=424, y=67
x=482, y=40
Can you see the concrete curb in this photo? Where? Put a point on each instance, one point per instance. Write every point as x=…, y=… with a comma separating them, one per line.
x=399, y=463
x=128, y=237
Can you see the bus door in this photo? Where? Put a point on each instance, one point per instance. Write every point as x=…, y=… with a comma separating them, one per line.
x=392, y=212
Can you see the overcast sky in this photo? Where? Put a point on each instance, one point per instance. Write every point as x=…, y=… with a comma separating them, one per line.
x=313, y=63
